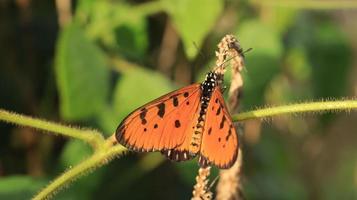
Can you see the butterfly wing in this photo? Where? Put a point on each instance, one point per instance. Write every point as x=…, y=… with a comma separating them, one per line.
x=219, y=141
x=164, y=124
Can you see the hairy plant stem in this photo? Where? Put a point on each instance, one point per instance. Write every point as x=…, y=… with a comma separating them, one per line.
x=307, y=4
x=91, y=137
x=99, y=158
x=105, y=150
x=325, y=106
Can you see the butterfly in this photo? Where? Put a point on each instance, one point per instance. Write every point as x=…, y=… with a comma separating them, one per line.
x=189, y=122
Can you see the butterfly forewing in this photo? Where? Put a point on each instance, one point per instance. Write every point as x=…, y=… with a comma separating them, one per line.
x=189, y=121
x=219, y=141
x=163, y=124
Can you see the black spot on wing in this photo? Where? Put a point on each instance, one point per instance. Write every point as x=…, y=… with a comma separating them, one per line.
x=155, y=126
x=177, y=123
x=143, y=121
x=221, y=125
x=175, y=101
x=161, y=111
x=143, y=115
x=185, y=94
x=229, y=134
x=218, y=110
x=209, y=131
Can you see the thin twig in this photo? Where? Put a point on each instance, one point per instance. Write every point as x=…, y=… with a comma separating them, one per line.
x=228, y=47
x=201, y=191
x=229, y=186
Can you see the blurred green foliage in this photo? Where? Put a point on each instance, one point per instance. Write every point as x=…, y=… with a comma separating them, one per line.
x=81, y=74
x=95, y=69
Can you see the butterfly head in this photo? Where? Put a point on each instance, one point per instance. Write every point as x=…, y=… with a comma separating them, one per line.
x=236, y=46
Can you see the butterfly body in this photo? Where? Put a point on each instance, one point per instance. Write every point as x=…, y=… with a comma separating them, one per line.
x=189, y=122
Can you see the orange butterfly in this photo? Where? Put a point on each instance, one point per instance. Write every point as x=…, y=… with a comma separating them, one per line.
x=190, y=121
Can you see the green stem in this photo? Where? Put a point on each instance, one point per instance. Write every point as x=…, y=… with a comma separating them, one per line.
x=297, y=108
x=308, y=4
x=90, y=136
x=105, y=151
x=99, y=158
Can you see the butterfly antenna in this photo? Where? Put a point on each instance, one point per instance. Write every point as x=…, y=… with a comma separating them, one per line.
x=247, y=50
x=240, y=53
x=244, y=52
x=198, y=49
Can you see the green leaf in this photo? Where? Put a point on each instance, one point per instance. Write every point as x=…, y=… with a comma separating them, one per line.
x=119, y=27
x=84, y=7
x=193, y=20
x=331, y=59
x=131, y=37
x=262, y=63
x=262, y=38
x=82, y=75
x=19, y=187
x=283, y=18
x=137, y=87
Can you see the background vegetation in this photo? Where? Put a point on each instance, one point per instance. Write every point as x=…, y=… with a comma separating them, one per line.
x=89, y=63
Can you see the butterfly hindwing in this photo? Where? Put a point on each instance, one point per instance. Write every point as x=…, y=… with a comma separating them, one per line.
x=219, y=141
x=162, y=125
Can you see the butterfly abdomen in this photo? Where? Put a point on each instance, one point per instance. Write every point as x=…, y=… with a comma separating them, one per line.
x=207, y=88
